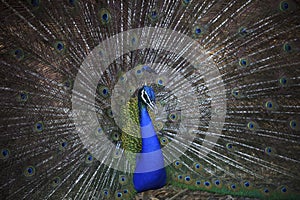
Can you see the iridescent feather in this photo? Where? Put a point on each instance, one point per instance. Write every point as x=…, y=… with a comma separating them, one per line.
x=226, y=80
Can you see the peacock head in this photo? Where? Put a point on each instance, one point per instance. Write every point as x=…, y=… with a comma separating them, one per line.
x=146, y=97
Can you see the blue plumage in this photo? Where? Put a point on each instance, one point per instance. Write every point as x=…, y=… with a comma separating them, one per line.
x=149, y=172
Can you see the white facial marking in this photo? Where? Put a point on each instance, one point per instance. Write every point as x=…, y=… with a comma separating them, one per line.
x=151, y=105
x=143, y=92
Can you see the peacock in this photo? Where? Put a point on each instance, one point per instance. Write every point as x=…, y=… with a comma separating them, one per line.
x=149, y=99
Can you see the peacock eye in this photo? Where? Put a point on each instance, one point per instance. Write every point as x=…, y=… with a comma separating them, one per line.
x=18, y=54
x=268, y=150
x=63, y=145
x=207, y=184
x=56, y=181
x=246, y=184
x=118, y=195
x=59, y=46
x=293, y=124
x=287, y=47
x=283, y=189
x=145, y=96
x=29, y=171
x=89, y=159
x=122, y=179
x=4, y=154
x=39, y=126
x=104, y=16
x=266, y=190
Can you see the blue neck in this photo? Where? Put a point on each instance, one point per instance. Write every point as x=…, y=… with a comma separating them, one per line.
x=149, y=172
x=150, y=141
x=144, y=117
